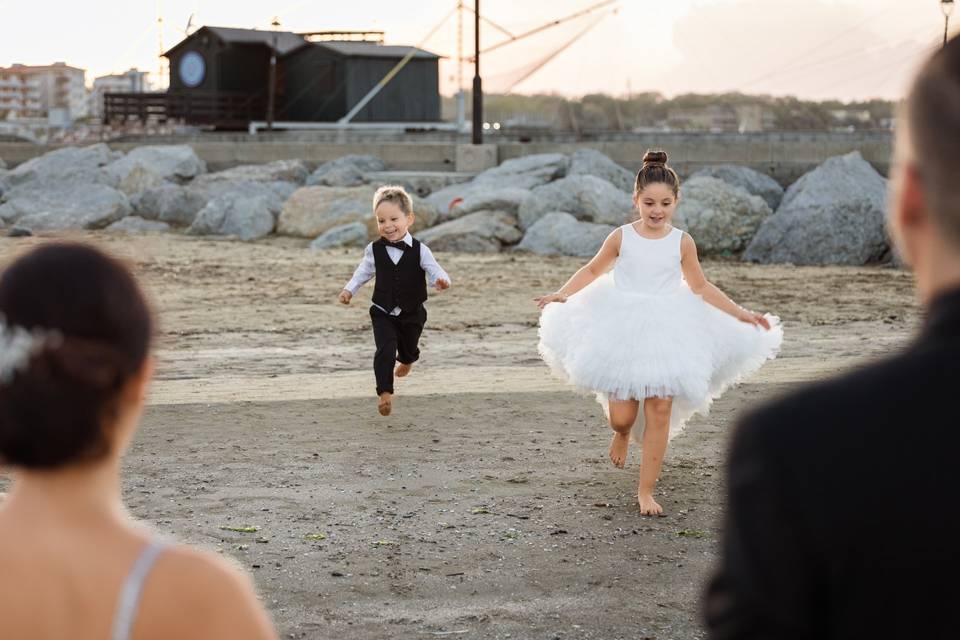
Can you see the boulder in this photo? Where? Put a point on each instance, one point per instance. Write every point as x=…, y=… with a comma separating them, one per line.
x=353, y=234
x=69, y=164
x=139, y=179
x=559, y=233
x=247, y=211
x=478, y=232
x=489, y=199
x=171, y=203
x=291, y=171
x=3, y=165
x=311, y=211
x=526, y=172
x=133, y=224
x=346, y=171
x=586, y=197
x=64, y=205
x=177, y=163
x=721, y=218
x=753, y=182
x=590, y=162
x=834, y=214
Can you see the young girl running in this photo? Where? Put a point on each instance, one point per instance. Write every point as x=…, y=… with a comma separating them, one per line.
x=653, y=334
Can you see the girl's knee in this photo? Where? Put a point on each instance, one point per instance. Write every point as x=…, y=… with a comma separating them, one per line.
x=658, y=409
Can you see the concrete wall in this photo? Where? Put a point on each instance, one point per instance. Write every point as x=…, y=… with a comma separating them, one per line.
x=784, y=156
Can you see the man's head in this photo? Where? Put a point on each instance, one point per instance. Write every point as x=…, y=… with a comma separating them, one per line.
x=925, y=186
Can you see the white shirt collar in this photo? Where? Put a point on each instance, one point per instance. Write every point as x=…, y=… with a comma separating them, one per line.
x=408, y=239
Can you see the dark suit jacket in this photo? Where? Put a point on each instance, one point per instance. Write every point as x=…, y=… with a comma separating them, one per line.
x=843, y=518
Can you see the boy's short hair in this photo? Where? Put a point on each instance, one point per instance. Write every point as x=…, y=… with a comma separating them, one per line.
x=395, y=194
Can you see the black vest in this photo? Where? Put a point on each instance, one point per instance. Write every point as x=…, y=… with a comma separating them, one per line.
x=401, y=285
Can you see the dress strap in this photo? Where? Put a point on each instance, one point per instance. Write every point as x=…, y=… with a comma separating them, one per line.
x=132, y=588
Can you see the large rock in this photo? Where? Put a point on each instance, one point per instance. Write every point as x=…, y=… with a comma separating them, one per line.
x=171, y=203
x=422, y=183
x=489, y=199
x=65, y=205
x=346, y=171
x=593, y=163
x=134, y=224
x=720, y=217
x=311, y=211
x=353, y=234
x=170, y=162
x=140, y=179
x=833, y=215
x=478, y=232
x=753, y=182
x=70, y=164
x=3, y=165
x=586, y=197
x=559, y=233
x=247, y=211
x=526, y=172
x=293, y=171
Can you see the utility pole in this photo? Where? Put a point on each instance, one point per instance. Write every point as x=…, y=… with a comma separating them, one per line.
x=461, y=98
x=272, y=88
x=477, y=88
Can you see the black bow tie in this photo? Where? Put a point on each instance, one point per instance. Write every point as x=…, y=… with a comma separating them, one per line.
x=400, y=244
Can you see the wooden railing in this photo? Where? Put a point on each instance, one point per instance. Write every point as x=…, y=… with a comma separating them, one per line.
x=219, y=109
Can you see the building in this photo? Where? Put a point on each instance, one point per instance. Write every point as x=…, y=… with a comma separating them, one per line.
x=61, y=90
x=222, y=77
x=19, y=96
x=131, y=81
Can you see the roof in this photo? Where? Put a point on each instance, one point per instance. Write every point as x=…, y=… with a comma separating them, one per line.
x=372, y=49
x=286, y=40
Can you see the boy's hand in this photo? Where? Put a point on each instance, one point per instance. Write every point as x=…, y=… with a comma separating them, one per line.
x=345, y=297
x=441, y=284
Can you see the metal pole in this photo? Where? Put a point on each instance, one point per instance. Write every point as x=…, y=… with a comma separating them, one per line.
x=477, y=88
x=946, y=27
x=271, y=90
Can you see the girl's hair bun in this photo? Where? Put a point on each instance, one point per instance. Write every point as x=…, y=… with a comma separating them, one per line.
x=655, y=157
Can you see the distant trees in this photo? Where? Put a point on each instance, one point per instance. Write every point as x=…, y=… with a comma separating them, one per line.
x=692, y=111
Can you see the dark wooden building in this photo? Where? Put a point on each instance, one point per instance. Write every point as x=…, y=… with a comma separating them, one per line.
x=325, y=80
x=220, y=76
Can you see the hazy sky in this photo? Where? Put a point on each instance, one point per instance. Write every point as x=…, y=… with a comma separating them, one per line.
x=848, y=49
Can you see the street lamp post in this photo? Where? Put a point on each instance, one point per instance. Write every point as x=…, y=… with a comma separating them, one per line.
x=272, y=88
x=947, y=7
x=477, y=89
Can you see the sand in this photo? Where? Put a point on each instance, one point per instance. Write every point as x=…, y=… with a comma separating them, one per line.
x=485, y=506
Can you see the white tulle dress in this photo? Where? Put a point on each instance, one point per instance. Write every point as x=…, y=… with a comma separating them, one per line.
x=640, y=332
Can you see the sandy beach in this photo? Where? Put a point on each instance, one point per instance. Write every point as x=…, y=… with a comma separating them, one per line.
x=485, y=506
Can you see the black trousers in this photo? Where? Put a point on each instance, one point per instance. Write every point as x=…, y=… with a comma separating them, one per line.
x=397, y=339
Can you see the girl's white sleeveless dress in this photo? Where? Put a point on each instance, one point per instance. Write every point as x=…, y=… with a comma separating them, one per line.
x=640, y=332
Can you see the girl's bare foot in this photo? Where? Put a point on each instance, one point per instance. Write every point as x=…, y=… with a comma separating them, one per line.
x=402, y=369
x=618, y=448
x=385, y=406
x=649, y=506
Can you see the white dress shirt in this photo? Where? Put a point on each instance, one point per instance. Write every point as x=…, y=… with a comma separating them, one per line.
x=367, y=268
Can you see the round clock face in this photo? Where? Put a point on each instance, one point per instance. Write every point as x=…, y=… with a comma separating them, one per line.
x=192, y=69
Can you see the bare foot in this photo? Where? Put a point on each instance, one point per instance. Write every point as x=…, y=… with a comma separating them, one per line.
x=649, y=506
x=618, y=449
x=402, y=369
x=385, y=406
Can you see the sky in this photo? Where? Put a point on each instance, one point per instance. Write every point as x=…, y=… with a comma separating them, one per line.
x=814, y=49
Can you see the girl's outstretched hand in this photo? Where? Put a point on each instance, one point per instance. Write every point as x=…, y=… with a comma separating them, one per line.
x=543, y=301
x=754, y=318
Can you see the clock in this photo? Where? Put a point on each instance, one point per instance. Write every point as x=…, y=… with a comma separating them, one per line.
x=192, y=69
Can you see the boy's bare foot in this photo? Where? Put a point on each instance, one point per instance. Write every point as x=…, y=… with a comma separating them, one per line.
x=385, y=406
x=618, y=449
x=402, y=369
x=649, y=506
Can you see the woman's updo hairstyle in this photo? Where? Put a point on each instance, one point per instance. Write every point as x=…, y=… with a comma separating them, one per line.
x=76, y=328
x=656, y=170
